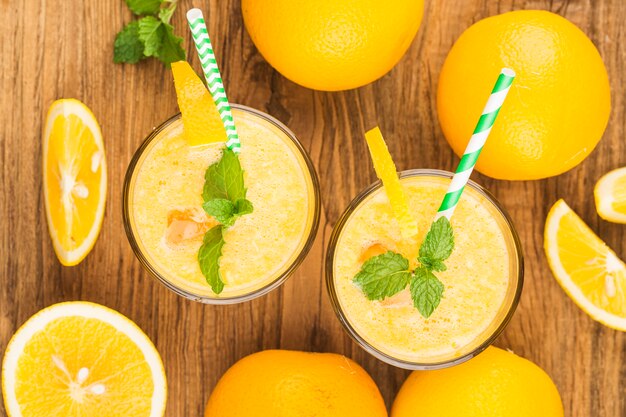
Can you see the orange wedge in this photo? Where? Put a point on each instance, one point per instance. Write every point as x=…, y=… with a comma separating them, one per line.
x=587, y=269
x=386, y=171
x=610, y=196
x=201, y=120
x=80, y=359
x=74, y=179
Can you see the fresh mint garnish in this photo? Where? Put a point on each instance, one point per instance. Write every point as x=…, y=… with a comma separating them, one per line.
x=140, y=7
x=220, y=208
x=384, y=275
x=224, y=179
x=426, y=291
x=224, y=196
x=243, y=206
x=437, y=246
x=209, y=256
x=225, y=211
x=151, y=35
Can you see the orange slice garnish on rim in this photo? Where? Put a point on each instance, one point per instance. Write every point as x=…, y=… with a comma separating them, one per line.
x=386, y=171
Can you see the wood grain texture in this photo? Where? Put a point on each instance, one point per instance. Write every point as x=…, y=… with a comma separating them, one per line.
x=63, y=48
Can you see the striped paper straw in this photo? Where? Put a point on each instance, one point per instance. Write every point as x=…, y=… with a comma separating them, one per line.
x=476, y=143
x=212, y=75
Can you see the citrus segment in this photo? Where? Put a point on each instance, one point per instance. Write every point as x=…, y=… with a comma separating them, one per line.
x=82, y=359
x=386, y=171
x=610, y=196
x=587, y=269
x=74, y=179
x=201, y=119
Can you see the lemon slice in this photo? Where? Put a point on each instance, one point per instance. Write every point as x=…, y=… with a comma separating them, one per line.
x=82, y=359
x=74, y=179
x=610, y=195
x=386, y=171
x=201, y=120
x=587, y=269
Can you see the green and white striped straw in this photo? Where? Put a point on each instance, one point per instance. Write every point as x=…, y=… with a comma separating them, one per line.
x=212, y=75
x=476, y=143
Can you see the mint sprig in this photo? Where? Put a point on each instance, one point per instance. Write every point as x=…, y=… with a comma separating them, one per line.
x=224, y=196
x=385, y=275
x=151, y=35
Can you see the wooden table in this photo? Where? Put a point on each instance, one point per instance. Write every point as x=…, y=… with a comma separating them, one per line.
x=63, y=48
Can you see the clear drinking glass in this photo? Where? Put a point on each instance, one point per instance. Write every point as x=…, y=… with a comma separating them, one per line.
x=344, y=306
x=158, y=265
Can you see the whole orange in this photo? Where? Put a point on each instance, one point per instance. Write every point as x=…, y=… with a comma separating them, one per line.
x=557, y=108
x=282, y=383
x=496, y=383
x=332, y=44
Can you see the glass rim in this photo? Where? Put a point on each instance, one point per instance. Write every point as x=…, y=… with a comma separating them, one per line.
x=368, y=347
x=283, y=276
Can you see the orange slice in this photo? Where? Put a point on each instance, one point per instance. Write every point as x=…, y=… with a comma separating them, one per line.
x=79, y=359
x=587, y=269
x=386, y=171
x=201, y=120
x=610, y=196
x=74, y=179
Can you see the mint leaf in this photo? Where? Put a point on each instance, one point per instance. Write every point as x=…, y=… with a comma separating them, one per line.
x=223, y=210
x=383, y=275
x=160, y=41
x=171, y=49
x=128, y=47
x=426, y=291
x=432, y=264
x=438, y=245
x=151, y=34
x=144, y=6
x=165, y=14
x=224, y=179
x=209, y=256
x=243, y=206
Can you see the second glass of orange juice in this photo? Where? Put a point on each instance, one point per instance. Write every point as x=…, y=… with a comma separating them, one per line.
x=483, y=280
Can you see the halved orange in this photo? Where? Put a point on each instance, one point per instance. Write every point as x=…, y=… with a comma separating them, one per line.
x=80, y=359
x=587, y=269
x=74, y=179
x=610, y=196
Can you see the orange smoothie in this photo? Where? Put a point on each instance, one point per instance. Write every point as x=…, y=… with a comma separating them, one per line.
x=480, y=282
x=164, y=207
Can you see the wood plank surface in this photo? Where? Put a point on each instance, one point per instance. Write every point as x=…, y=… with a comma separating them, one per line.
x=63, y=48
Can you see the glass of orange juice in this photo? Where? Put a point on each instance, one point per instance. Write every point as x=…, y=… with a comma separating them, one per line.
x=165, y=222
x=483, y=280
